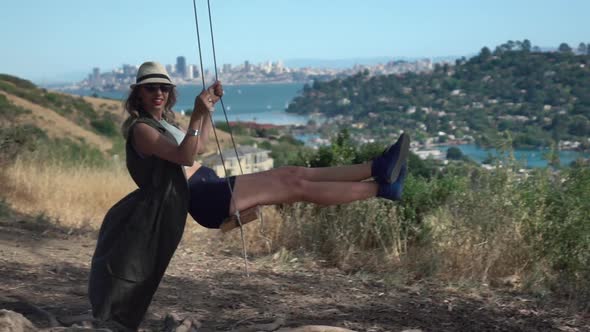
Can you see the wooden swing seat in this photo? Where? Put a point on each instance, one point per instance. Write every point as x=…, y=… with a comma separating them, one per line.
x=246, y=216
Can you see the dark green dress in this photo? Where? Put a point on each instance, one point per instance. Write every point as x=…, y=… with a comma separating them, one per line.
x=138, y=237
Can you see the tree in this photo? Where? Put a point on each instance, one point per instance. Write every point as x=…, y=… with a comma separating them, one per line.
x=485, y=53
x=582, y=48
x=367, y=152
x=526, y=45
x=511, y=45
x=564, y=48
x=454, y=153
x=579, y=126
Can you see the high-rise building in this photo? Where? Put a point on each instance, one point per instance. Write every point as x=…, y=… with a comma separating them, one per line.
x=266, y=67
x=170, y=69
x=129, y=70
x=190, y=72
x=181, y=66
x=96, y=75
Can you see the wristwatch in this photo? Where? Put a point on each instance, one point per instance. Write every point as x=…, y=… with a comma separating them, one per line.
x=192, y=132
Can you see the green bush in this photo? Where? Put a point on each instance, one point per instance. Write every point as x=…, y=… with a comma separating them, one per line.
x=344, y=235
x=5, y=210
x=564, y=235
x=73, y=153
x=32, y=142
x=423, y=196
x=18, y=140
x=8, y=110
x=454, y=153
x=105, y=126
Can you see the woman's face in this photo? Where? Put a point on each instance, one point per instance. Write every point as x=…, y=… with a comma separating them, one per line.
x=154, y=96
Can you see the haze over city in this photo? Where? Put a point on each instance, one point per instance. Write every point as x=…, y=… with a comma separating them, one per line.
x=53, y=42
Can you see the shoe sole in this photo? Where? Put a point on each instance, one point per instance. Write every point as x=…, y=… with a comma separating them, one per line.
x=404, y=151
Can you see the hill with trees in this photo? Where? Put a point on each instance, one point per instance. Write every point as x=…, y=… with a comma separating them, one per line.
x=539, y=97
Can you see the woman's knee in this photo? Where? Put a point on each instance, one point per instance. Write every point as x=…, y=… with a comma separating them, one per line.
x=292, y=179
x=296, y=172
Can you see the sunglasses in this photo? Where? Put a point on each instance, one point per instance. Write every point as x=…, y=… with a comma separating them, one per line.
x=155, y=87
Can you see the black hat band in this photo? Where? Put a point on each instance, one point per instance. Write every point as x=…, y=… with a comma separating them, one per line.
x=145, y=77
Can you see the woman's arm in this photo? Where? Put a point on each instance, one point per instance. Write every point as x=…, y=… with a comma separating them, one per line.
x=148, y=141
x=204, y=135
x=215, y=93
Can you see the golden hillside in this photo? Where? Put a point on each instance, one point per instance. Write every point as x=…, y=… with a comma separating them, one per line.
x=54, y=124
x=89, y=120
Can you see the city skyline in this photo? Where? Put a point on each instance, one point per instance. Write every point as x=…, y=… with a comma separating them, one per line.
x=181, y=72
x=45, y=41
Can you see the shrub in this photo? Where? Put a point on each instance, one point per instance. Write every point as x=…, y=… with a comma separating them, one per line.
x=8, y=110
x=564, y=235
x=5, y=210
x=17, y=140
x=354, y=236
x=454, y=153
x=32, y=142
x=105, y=126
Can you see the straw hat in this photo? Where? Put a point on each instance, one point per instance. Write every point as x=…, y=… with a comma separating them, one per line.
x=152, y=72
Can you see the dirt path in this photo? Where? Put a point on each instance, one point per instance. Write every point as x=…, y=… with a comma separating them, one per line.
x=48, y=267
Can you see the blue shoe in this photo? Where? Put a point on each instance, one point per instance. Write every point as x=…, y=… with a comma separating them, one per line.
x=386, y=167
x=393, y=191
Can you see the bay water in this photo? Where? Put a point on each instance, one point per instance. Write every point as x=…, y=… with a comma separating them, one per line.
x=529, y=158
x=263, y=103
x=266, y=103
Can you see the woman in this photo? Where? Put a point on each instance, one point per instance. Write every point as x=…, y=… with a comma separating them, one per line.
x=141, y=232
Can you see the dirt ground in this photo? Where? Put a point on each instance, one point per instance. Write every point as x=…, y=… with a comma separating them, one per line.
x=48, y=267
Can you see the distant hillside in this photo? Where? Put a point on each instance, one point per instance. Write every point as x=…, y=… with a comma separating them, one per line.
x=351, y=62
x=540, y=97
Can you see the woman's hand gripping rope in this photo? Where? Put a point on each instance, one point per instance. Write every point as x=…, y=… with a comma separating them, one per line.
x=207, y=99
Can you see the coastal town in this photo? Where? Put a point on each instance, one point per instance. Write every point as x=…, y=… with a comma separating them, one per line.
x=427, y=144
x=267, y=72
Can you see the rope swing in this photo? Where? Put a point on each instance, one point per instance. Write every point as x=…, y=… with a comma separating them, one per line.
x=240, y=217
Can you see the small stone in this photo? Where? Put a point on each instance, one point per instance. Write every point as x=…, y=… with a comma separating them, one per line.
x=13, y=321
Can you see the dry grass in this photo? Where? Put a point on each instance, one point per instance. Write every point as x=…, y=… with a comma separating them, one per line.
x=114, y=107
x=80, y=196
x=71, y=197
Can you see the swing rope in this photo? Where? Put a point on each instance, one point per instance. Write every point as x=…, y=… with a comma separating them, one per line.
x=237, y=213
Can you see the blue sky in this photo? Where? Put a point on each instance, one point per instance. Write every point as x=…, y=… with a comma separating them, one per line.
x=62, y=40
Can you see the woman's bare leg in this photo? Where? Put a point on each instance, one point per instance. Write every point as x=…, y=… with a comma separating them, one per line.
x=351, y=173
x=323, y=186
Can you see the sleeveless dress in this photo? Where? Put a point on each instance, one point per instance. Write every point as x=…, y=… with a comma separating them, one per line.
x=138, y=237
